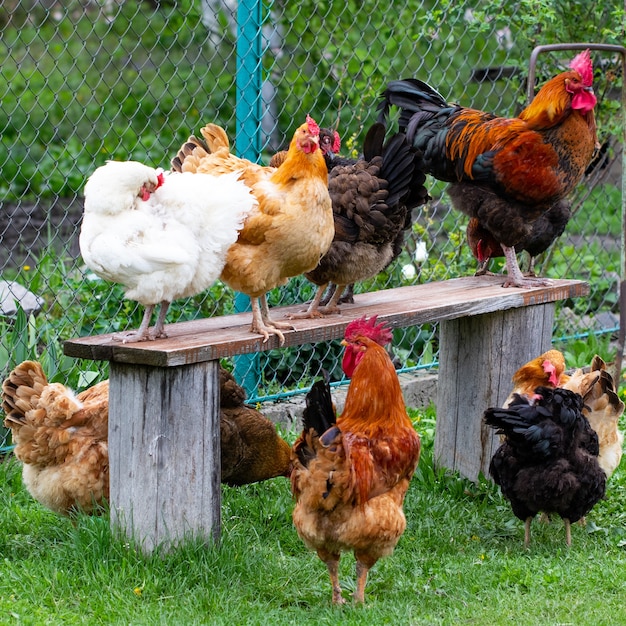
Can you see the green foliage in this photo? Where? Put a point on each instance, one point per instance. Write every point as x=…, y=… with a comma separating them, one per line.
x=460, y=559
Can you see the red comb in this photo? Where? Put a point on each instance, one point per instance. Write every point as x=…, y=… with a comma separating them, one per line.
x=582, y=64
x=314, y=129
x=160, y=178
x=336, y=142
x=380, y=333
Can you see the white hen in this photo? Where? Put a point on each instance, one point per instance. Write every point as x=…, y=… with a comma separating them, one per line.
x=162, y=236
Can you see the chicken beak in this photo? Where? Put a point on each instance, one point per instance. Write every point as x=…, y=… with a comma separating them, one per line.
x=344, y=342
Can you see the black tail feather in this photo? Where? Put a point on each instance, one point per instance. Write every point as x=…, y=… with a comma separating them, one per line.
x=319, y=413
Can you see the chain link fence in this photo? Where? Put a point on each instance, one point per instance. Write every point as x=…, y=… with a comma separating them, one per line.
x=84, y=81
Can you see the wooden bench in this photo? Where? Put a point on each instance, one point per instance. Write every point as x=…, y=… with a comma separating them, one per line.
x=164, y=395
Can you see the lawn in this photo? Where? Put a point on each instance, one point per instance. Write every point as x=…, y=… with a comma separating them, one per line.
x=460, y=561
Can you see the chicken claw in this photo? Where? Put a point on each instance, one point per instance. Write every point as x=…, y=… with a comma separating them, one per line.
x=263, y=324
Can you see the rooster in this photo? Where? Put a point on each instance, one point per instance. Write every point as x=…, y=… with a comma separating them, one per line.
x=162, y=237
x=507, y=173
x=549, y=459
x=290, y=229
x=351, y=473
x=372, y=198
x=61, y=438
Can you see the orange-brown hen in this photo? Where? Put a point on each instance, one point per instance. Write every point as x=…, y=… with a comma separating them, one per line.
x=61, y=438
x=350, y=474
x=289, y=231
x=546, y=370
x=506, y=172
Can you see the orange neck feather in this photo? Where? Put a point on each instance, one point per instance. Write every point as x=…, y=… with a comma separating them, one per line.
x=298, y=164
x=374, y=402
x=551, y=104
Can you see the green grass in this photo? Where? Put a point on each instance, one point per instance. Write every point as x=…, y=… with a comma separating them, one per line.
x=461, y=560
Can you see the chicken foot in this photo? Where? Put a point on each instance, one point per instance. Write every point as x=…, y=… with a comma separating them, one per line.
x=263, y=324
x=141, y=334
x=515, y=278
x=315, y=309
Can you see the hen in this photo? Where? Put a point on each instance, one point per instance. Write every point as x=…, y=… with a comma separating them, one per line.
x=549, y=459
x=61, y=439
x=252, y=450
x=546, y=370
x=603, y=408
x=290, y=229
x=351, y=473
x=161, y=236
x=372, y=199
x=506, y=172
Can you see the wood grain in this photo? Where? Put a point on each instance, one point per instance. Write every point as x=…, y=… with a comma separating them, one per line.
x=213, y=338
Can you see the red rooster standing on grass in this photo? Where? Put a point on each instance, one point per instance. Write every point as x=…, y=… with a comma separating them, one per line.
x=505, y=172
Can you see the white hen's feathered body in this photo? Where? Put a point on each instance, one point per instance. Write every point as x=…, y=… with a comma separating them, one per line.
x=162, y=237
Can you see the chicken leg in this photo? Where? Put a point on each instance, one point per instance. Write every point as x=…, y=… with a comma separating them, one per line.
x=515, y=278
x=141, y=334
x=263, y=324
x=363, y=566
x=332, y=563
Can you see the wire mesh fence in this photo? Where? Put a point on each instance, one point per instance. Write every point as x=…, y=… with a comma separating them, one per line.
x=89, y=80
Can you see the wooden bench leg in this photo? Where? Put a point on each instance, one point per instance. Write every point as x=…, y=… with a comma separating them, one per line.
x=164, y=452
x=478, y=355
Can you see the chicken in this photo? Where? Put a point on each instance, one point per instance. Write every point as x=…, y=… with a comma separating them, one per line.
x=548, y=227
x=290, y=229
x=61, y=438
x=162, y=237
x=351, y=473
x=252, y=450
x=372, y=198
x=549, y=459
x=546, y=370
x=603, y=408
x=507, y=173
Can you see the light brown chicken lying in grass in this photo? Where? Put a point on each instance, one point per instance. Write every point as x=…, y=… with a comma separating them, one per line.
x=61, y=439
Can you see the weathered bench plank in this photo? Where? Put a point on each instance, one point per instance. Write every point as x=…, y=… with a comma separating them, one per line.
x=164, y=395
x=213, y=338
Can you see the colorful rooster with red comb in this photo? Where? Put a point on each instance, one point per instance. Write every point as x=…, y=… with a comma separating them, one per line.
x=351, y=473
x=505, y=172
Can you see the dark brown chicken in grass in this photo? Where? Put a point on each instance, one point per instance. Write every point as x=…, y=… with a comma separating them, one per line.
x=505, y=172
x=372, y=199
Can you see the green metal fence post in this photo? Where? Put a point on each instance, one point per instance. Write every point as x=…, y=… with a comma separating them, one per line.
x=248, y=114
